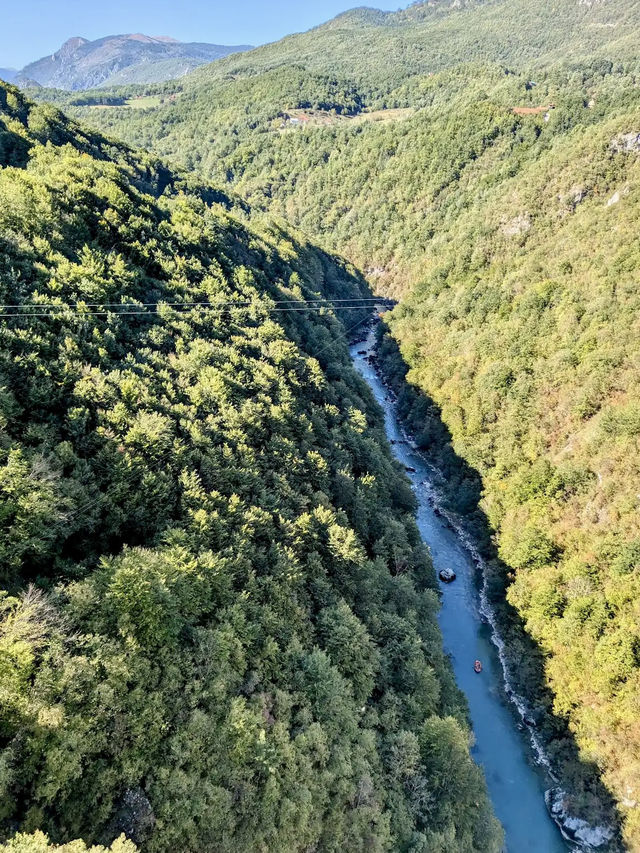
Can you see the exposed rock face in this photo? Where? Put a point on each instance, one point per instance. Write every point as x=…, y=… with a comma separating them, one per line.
x=626, y=143
x=83, y=64
x=575, y=829
x=519, y=225
x=572, y=199
x=68, y=48
x=615, y=199
x=135, y=817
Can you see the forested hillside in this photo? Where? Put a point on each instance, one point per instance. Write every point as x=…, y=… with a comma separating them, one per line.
x=372, y=175
x=524, y=329
x=377, y=49
x=483, y=164
x=218, y=620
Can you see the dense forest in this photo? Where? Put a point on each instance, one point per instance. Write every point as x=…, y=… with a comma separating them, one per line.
x=218, y=620
x=483, y=163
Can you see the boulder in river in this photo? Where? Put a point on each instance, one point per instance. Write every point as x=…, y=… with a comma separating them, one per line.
x=409, y=469
x=447, y=575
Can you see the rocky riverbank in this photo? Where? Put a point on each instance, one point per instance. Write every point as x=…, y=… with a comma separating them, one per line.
x=580, y=833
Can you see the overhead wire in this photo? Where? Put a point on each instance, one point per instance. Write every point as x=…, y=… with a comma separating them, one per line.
x=164, y=457
x=201, y=302
x=151, y=309
x=155, y=313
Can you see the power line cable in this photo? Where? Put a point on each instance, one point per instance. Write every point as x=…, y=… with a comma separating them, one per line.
x=64, y=312
x=220, y=302
x=38, y=310
x=153, y=468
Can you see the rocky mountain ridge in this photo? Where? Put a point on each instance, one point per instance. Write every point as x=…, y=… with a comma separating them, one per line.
x=120, y=59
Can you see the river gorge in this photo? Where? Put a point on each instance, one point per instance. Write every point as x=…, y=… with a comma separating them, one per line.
x=516, y=776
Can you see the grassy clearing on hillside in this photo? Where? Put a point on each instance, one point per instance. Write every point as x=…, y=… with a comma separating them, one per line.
x=299, y=118
x=139, y=102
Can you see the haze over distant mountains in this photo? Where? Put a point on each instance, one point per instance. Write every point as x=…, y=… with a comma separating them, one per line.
x=119, y=60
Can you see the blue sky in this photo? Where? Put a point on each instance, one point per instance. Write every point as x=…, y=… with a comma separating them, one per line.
x=31, y=29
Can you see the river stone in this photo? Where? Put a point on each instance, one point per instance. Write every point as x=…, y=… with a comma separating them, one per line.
x=447, y=575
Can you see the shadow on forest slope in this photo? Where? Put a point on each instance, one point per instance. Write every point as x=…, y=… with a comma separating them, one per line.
x=461, y=491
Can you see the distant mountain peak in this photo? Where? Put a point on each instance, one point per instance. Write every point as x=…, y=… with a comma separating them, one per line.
x=120, y=60
x=70, y=46
x=74, y=42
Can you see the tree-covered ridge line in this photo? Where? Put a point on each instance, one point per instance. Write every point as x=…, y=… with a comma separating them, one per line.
x=377, y=191
x=219, y=625
x=381, y=49
x=377, y=53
